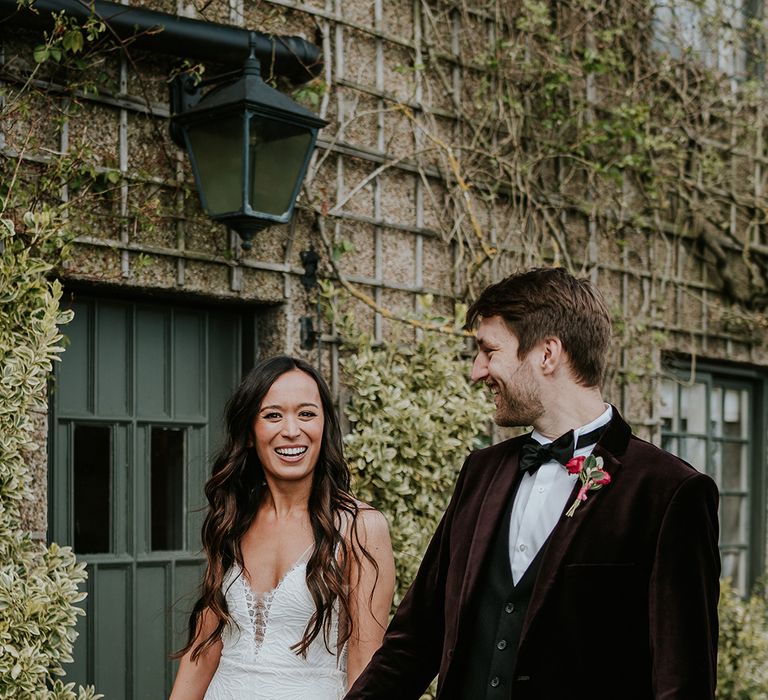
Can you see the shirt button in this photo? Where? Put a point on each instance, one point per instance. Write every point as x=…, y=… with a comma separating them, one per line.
x=541, y=489
x=509, y=608
x=522, y=547
x=502, y=645
x=494, y=681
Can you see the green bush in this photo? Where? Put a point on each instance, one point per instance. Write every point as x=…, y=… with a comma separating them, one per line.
x=414, y=417
x=742, y=664
x=38, y=584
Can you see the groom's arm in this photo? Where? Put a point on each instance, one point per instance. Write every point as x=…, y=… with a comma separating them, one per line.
x=684, y=595
x=409, y=657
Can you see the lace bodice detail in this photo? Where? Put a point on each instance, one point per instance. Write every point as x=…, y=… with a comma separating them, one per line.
x=258, y=608
x=257, y=662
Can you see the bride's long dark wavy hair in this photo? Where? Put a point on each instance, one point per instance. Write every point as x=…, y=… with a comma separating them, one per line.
x=234, y=492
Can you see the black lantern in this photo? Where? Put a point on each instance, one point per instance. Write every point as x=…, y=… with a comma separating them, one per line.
x=249, y=146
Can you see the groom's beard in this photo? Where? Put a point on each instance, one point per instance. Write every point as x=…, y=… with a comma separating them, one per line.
x=519, y=404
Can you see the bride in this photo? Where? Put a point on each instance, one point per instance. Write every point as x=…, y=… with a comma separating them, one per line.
x=300, y=575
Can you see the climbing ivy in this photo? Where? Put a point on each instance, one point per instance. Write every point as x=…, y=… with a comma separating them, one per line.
x=603, y=137
x=39, y=584
x=414, y=416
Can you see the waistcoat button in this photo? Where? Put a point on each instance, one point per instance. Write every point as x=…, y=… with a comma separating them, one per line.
x=509, y=608
x=494, y=681
x=502, y=644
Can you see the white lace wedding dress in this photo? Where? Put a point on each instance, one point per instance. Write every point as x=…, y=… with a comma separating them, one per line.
x=257, y=662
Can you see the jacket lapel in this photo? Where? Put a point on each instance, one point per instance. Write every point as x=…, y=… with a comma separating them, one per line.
x=501, y=486
x=610, y=447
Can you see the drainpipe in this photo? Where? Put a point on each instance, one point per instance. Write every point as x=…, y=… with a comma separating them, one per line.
x=288, y=56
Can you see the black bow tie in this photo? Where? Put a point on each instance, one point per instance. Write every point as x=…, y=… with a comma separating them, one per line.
x=533, y=454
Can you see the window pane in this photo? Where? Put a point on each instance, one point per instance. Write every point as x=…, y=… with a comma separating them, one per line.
x=734, y=567
x=667, y=407
x=670, y=445
x=93, y=488
x=716, y=464
x=734, y=467
x=693, y=408
x=716, y=411
x=218, y=143
x=278, y=151
x=695, y=452
x=167, y=483
x=712, y=31
x=732, y=520
x=734, y=418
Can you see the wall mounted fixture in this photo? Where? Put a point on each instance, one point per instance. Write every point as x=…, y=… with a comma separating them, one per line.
x=249, y=146
x=308, y=336
x=310, y=259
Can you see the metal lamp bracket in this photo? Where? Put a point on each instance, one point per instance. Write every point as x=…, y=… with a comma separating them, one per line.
x=310, y=260
x=309, y=336
x=185, y=92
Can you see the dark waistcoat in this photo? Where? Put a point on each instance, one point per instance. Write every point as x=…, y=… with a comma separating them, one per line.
x=498, y=611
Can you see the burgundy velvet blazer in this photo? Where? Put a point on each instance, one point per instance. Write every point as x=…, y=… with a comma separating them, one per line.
x=625, y=602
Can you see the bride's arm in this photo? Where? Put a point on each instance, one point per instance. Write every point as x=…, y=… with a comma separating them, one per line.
x=370, y=591
x=193, y=677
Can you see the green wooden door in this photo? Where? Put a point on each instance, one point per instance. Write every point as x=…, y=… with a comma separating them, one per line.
x=136, y=414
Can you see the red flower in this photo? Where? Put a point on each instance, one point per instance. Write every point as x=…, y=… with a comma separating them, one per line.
x=592, y=477
x=575, y=464
x=604, y=479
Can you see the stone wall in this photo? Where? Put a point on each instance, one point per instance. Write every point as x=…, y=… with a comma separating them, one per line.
x=381, y=179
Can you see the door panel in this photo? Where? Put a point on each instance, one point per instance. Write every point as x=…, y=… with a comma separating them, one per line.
x=136, y=412
x=152, y=360
x=71, y=391
x=112, y=328
x=223, y=355
x=151, y=626
x=189, y=360
x=111, y=610
x=186, y=577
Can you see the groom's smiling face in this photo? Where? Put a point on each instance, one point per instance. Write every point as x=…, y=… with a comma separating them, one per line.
x=512, y=380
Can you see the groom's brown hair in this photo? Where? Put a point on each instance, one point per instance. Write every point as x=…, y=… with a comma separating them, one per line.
x=544, y=302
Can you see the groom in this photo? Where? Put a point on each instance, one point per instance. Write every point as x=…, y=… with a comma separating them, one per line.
x=551, y=577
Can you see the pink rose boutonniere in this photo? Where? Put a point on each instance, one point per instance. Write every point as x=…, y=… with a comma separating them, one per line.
x=592, y=476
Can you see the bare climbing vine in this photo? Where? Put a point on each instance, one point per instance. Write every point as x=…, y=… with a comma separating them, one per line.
x=595, y=135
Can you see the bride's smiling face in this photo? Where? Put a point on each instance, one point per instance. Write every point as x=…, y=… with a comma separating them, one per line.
x=288, y=428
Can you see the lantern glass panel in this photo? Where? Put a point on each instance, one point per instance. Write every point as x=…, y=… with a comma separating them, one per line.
x=277, y=152
x=217, y=150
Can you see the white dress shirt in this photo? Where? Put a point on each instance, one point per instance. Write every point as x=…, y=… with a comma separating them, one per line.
x=541, y=499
